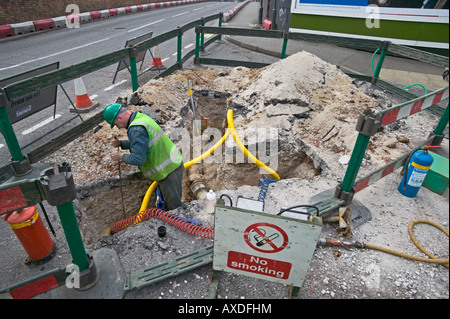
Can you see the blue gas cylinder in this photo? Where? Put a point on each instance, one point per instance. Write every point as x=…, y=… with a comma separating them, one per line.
x=415, y=174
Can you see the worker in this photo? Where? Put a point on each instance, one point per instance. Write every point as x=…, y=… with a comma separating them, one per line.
x=150, y=149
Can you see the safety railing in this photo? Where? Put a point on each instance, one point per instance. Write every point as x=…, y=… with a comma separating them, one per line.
x=274, y=34
x=384, y=47
x=31, y=189
x=369, y=124
x=20, y=88
x=57, y=77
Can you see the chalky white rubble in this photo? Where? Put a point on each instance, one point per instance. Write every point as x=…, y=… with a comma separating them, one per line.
x=302, y=97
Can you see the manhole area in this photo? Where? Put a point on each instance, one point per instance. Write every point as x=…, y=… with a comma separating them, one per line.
x=228, y=172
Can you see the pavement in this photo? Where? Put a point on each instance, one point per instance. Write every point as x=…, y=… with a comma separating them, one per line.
x=395, y=70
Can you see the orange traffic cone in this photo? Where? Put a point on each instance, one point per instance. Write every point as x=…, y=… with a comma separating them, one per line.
x=83, y=102
x=156, y=62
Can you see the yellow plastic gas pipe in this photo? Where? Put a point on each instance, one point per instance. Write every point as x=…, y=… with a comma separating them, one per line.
x=230, y=130
x=241, y=146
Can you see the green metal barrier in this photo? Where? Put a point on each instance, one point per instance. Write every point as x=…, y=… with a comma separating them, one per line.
x=367, y=124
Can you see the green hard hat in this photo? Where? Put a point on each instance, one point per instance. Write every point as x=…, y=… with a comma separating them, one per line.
x=110, y=112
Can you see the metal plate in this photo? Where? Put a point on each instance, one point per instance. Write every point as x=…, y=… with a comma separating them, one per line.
x=169, y=269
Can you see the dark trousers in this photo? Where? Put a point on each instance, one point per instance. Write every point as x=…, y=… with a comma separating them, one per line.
x=171, y=188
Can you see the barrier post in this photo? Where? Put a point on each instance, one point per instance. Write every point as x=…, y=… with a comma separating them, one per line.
x=286, y=36
x=59, y=190
x=362, y=141
x=443, y=121
x=367, y=125
x=384, y=48
x=179, y=44
x=202, y=36
x=197, y=43
x=73, y=236
x=133, y=68
x=8, y=131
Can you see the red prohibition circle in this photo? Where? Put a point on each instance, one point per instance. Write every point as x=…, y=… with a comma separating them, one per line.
x=275, y=248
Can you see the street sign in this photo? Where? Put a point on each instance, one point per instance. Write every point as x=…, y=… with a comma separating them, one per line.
x=265, y=237
x=264, y=246
x=31, y=103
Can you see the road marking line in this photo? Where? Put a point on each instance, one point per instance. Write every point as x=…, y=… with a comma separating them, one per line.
x=114, y=85
x=164, y=59
x=34, y=128
x=189, y=45
x=1, y=145
x=198, y=9
x=54, y=54
x=180, y=14
x=145, y=25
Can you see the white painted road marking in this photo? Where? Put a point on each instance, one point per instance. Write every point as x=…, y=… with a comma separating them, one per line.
x=45, y=122
x=180, y=14
x=54, y=54
x=146, y=25
x=114, y=85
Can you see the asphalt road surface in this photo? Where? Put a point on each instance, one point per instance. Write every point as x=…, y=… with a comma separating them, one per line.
x=93, y=39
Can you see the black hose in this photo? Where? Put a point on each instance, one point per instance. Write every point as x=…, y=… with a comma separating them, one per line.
x=229, y=198
x=289, y=208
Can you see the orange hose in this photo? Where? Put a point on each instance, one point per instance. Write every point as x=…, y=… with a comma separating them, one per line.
x=199, y=231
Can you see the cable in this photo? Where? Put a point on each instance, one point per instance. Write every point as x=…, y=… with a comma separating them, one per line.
x=423, y=86
x=289, y=208
x=434, y=260
x=199, y=231
x=229, y=198
x=373, y=57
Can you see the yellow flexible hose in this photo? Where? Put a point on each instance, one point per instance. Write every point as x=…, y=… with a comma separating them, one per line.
x=230, y=130
x=432, y=259
x=241, y=146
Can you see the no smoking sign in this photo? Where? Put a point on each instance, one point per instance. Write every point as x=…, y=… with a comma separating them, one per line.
x=266, y=238
x=262, y=245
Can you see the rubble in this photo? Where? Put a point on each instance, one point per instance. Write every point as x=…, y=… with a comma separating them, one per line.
x=313, y=105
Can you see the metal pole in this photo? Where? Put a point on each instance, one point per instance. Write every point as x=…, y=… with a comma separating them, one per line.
x=197, y=42
x=285, y=40
x=202, y=41
x=73, y=235
x=179, y=44
x=380, y=61
x=443, y=121
x=362, y=141
x=8, y=131
x=133, y=69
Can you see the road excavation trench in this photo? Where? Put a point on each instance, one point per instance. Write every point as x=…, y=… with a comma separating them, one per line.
x=226, y=169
